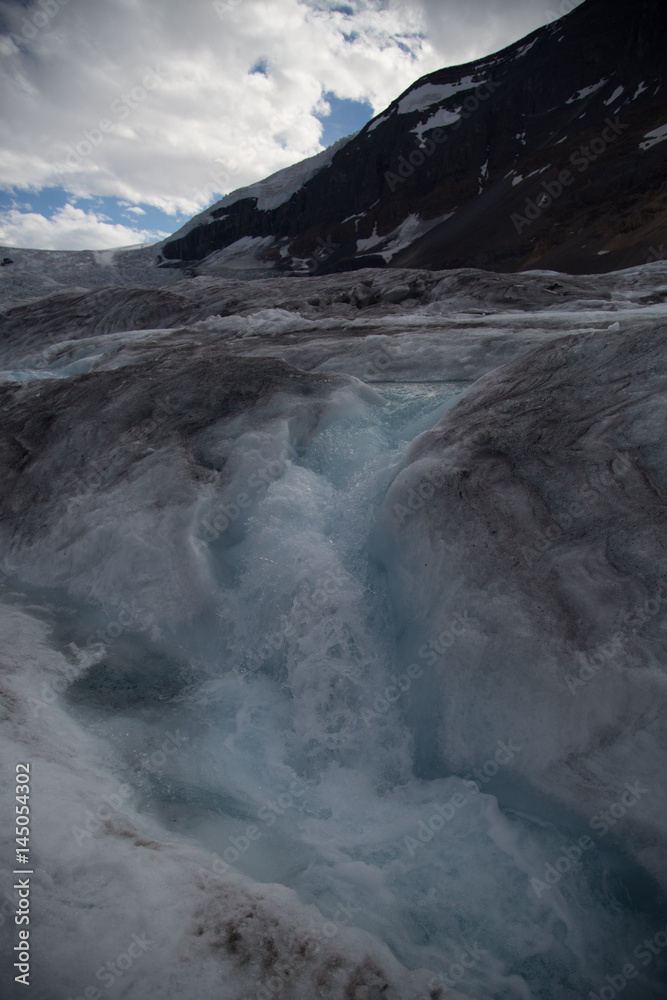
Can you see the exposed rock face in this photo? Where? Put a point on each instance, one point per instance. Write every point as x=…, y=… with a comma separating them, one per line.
x=547, y=154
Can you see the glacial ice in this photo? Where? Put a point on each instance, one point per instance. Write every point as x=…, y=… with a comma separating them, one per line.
x=295, y=574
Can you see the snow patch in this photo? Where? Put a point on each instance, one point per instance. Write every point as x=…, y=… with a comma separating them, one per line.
x=429, y=93
x=654, y=137
x=410, y=230
x=351, y=218
x=279, y=187
x=271, y=192
x=525, y=48
x=400, y=238
x=369, y=241
x=440, y=119
x=614, y=97
x=376, y=121
x=243, y=254
x=587, y=91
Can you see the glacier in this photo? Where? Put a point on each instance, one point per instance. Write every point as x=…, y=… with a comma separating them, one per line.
x=333, y=620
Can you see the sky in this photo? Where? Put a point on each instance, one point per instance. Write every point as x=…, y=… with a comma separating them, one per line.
x=123, y=118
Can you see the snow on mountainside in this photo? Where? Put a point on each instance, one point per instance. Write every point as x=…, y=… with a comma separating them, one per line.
x=333, y=606
x=271, y=192
x=547, y=154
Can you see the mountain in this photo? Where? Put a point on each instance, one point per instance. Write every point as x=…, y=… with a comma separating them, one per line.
x=548, y=154
x=333, y=607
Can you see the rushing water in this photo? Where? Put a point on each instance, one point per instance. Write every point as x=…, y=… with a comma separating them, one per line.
x=301, y=744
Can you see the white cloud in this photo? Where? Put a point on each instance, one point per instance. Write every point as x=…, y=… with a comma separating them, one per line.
x=83, y=85
x=462, y=33
x=153, y=101
x=70, y=228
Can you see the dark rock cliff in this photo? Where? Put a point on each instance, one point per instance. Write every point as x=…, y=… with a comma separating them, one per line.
x=540, y=156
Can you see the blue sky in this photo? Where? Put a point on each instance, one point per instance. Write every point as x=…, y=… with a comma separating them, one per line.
x=50, y=200
x=170, y=107
x=346, y=117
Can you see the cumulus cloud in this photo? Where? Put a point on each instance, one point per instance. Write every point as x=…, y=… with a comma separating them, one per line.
x=156, y=101
x=459, y=33
x=69, y=228
x=151, y=100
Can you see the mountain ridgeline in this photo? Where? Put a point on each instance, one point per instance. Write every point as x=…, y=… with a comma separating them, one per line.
x=548, y=154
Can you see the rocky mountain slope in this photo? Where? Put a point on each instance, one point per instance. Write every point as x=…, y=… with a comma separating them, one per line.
x=548, y=154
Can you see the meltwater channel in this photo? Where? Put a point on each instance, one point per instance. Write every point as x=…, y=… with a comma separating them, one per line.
x=305, y=760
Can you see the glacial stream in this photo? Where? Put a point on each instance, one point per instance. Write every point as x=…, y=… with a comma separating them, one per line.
x=292, y=731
